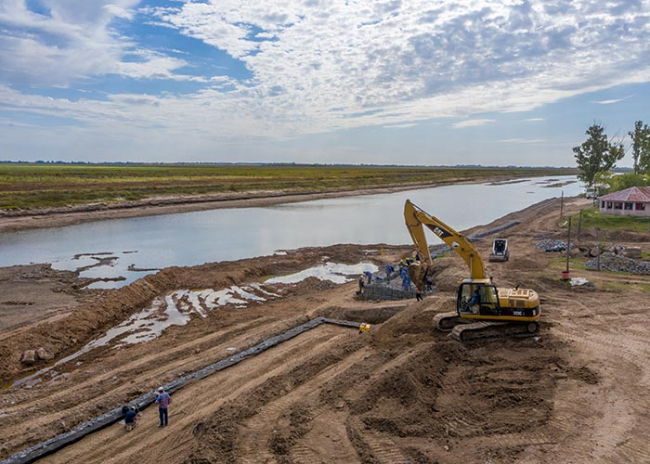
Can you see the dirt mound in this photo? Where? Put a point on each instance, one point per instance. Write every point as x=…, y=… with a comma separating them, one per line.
x=526, y=264
x=448, y=272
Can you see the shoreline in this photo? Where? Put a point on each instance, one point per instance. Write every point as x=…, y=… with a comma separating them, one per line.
x=41, y=218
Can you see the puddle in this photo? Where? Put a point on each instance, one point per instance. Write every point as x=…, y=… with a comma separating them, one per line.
x=176, y=309
x=337, y=273
x=117, y=268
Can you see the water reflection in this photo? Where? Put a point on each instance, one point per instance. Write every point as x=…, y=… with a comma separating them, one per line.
x=188, y=239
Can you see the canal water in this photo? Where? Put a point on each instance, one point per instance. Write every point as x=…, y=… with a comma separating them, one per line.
x=134, y=247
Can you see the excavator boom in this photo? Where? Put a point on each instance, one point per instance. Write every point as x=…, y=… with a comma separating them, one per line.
x=416, y=218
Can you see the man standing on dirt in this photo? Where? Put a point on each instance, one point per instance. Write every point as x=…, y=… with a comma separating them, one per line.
x=163, y=400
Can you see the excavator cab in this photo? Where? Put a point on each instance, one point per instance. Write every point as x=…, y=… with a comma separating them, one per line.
x=478, y=299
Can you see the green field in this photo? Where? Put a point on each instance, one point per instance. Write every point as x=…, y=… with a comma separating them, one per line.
x=591, y=218
x=46, y=185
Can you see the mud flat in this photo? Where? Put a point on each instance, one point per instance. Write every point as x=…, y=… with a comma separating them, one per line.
x=401, y=392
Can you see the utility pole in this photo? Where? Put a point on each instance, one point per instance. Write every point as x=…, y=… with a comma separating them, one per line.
x=579, y=226
x=598, y=240
x=565, y=274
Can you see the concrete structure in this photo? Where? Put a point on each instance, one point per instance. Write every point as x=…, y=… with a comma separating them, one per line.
x=634, y=201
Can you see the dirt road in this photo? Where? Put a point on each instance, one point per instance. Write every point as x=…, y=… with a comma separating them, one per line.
x=400, y=393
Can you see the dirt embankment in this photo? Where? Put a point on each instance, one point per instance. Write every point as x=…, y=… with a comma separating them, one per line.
x=399, y=393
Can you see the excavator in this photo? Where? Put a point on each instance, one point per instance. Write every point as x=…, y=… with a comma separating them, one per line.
x=482, y=309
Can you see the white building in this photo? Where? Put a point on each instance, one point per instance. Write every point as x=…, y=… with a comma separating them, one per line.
x=634, y=201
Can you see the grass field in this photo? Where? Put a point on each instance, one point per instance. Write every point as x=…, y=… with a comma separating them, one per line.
x=591, y=218
x=45, y=185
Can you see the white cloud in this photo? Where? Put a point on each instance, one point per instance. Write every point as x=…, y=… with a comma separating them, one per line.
x=319, y=66
x=70, y=41
x=472, y=123
x=534, y=120
x=324, y=63
x=610, y=102
x=400, y=126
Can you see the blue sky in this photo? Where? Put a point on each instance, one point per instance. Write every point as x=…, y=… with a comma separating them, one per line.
x=431, y=82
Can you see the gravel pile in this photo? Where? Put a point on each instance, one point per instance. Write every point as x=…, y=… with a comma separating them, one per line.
x=551, y=245
x=613, y=262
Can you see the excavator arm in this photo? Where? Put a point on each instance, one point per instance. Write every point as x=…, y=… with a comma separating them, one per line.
x=416, y=218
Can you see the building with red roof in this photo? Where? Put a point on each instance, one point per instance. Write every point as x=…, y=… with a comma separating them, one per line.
x=634, y=201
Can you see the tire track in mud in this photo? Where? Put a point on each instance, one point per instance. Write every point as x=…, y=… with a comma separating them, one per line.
x=379, y=448
x=619, y=430
x=260, y=433
x=612, y=341
x=328, y=435
x=256, y=433
x=374, y=446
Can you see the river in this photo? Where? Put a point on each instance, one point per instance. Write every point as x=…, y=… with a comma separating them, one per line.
x=134, y=247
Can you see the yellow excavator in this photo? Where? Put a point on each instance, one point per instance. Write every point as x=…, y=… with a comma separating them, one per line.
x=482, y=310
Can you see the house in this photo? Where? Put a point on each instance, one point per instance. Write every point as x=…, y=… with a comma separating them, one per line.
x=634, y=201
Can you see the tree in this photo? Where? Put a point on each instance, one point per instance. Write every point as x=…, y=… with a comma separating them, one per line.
x=640, y=146
x=609, y=183
x=596, y=154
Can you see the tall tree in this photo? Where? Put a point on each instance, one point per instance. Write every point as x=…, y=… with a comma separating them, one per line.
x=596, y=154
x=640, y=146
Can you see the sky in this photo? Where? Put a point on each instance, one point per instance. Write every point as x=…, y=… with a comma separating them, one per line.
x=415, y=82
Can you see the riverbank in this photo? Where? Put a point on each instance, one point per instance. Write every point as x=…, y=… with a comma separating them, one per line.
x=332, y=395
x=36, y=218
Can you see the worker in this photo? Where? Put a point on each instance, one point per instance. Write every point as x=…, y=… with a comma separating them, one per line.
x=474, y=302
x=163, y=400
x=362, y=285
x=369, y=276
x=389, y=271
x=406, y=282
x=130, y=418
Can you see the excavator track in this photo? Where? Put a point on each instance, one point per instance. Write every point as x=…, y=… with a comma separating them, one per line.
x=445, y=322
x=466, y=329
x=485, y=329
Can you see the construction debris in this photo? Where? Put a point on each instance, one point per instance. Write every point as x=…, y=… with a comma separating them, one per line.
x=613, y=262
x=551, y=245
x=580, y=282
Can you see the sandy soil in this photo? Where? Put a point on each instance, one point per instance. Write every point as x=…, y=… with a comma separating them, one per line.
x=399, y=393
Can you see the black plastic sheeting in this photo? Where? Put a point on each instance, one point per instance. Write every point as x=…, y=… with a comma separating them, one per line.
x=115, y=415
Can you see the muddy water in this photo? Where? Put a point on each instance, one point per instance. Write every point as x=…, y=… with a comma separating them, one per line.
x=130, y=248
